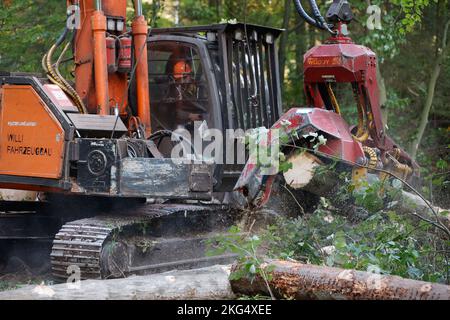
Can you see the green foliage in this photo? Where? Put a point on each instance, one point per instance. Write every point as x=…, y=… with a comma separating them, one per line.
x=385, y=242
x=437, y=181
x=369, y=196
x=27, y=30
x=246, y=248
x=199, y=12
x=413, y=13
x=14, y=284
x=154, y=12
x=374, y=238
x=316, y=139
x=395, y=102
x=6, y=285
x=302, y=238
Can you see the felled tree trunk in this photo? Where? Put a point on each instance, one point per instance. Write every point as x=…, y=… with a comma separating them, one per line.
x=411, y=203
x=207, y=283
x=304, y=175
x=309, y=282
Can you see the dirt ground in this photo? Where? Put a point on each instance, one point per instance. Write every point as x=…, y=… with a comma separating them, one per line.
x=17, y=280
x=15, y=273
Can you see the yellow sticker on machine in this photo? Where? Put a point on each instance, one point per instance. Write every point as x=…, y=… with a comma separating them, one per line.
x=324, y=61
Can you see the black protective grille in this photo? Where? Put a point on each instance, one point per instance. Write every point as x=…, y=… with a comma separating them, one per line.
x=253, y=80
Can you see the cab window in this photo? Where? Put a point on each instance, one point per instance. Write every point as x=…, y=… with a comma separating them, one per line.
x=179, y=92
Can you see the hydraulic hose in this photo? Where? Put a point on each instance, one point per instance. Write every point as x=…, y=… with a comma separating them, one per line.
x=55, y=77
x=373, y=158
x=334, y=101
x=318, y=17
x=301, y=11
x=363, y=132
x=62, y=37
x=318, y=20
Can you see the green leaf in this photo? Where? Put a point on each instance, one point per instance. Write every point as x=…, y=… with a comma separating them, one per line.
x=397, y=184
x=441, y=164
x=285, y=166
x=339, y=240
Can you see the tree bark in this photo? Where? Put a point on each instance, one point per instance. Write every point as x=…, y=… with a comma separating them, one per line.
x=207, y=283
x=411, y=203
x=383, y=95
x=284, y=38
x=292, y=280
x=301, y=44
x=430, y=93
x=215, y=4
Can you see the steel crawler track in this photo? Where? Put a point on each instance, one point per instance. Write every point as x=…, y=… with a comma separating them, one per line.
x=80, y=245
x=105, y=246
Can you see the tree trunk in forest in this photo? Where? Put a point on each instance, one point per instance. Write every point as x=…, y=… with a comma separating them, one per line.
x=413, y=204
x=293, y=280
x=17, y=195
x=176, y=12
x=430, y=92
x=301, y=44
x=383, y=95
x=216, y=4
x=284, y=39
x=380, y=78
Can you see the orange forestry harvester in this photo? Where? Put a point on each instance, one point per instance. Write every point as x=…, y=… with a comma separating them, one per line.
x=116, y=202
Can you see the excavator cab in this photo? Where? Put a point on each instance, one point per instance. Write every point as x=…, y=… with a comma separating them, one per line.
x=225, y=76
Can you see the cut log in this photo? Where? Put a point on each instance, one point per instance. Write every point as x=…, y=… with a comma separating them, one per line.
x=291, y=280
x=303, y=175
x=206, y=284
x=304, y=166
x=17, y=195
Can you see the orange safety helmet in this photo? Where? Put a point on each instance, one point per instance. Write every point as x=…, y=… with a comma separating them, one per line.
x=180, y=69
